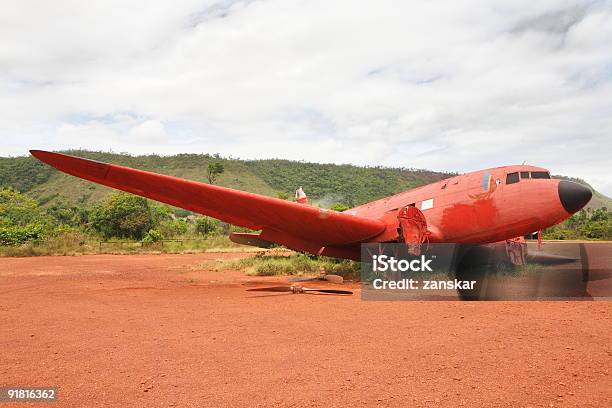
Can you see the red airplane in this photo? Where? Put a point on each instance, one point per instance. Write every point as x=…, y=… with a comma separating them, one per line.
x=483, y=207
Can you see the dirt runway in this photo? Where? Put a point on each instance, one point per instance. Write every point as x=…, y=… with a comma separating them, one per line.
x=154, y=331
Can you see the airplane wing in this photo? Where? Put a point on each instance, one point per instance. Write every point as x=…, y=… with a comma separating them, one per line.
x=276, y=217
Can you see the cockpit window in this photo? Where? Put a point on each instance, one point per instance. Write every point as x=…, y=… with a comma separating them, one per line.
x=512, y=178
x=540, y=175
x=524, y=174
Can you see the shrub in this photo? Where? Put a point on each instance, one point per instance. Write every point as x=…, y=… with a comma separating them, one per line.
x=172, y=228
x=15, y=235
x=206, y=226
x=585, y=224
x=339, y=207
x=122, y=215
x=18, y=209
x=152, y=236
x=266, y=264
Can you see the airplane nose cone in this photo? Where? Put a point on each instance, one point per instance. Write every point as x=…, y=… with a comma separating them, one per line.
x=573, y=196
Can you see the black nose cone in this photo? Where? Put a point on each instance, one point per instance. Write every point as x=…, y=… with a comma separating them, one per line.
x=573, y=196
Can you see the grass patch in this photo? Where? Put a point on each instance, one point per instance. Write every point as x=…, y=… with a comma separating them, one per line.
x=76, y=243
x=531, y=269
x=68, y=243
x=272, y=263
x=505, y=269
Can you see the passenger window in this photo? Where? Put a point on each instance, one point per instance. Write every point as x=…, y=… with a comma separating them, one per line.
x=512, y=178
x=540, y=175
x=524, y=174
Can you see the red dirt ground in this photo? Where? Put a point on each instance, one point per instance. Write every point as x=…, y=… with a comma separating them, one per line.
x=153, y=331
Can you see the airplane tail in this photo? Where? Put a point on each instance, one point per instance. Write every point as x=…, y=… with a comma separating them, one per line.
x=300, y=196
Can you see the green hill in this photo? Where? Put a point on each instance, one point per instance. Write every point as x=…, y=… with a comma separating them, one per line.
x=325, y=184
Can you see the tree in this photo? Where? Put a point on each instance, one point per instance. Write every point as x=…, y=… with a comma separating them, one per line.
x=21, y=219
x=17, y=209
x=160, y=213
x=214, y=169
x=205, y=226
x=67, y=214
x=122, y=215
x=585, y=224
x=173, y=228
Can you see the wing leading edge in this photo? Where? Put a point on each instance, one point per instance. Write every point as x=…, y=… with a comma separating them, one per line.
x=280, y=220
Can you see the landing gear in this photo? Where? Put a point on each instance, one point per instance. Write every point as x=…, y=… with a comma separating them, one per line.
x=472, y=265
x=483, y=262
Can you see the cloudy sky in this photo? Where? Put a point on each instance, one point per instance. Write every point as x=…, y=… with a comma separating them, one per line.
x=457, y=85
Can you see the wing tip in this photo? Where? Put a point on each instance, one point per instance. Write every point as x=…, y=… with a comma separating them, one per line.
x=53, y=159
x=40, y=154
x=76, y=166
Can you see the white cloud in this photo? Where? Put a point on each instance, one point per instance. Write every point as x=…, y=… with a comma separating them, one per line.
x=455, y=85
x=150, y=131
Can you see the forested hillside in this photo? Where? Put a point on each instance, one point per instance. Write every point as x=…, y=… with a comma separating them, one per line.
x=325, y=184
x=45, y=211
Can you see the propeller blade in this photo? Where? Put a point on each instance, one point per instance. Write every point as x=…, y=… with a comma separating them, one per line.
x=297, y=289
x=334, y=291
x=272, y=289
x=277, y=294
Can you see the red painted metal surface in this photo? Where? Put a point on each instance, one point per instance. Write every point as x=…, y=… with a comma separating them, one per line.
x=474, y=208
x=311, y=226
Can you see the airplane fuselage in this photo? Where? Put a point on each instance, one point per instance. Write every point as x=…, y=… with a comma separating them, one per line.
x=484, y=206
